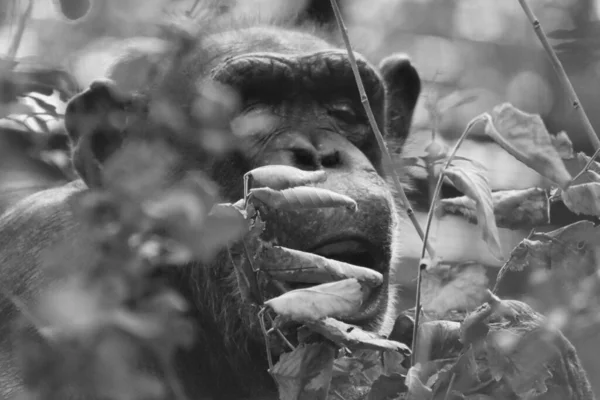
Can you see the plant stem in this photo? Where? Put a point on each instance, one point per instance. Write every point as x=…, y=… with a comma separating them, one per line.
x=587, y=166
x=190, y=12
x=16, y=42
x=365, y=102
x=483, y=117
x=562, y=75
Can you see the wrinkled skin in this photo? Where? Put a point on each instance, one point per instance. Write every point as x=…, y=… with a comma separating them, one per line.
x=305, y=86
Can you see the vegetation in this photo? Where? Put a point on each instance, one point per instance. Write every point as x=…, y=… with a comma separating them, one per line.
x=97, y=321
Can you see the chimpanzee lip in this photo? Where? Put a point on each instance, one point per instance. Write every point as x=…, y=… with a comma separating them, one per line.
x=355, y=250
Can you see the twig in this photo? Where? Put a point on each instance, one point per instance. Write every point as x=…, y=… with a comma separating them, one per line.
x=587, y=166
x=280, y=334
x=562, y=75
x=193, y=8
x=16, y=42
x=483, y=117
x=365, y=102
x=446, y=396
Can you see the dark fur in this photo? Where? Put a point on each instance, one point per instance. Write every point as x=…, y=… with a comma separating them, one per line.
x=282, y=67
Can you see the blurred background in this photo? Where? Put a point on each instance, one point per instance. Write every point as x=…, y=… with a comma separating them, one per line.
x=472, y=55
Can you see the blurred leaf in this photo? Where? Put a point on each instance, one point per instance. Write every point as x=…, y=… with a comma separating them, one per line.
x=459, y=286
x=304, y=373
x=475, y=185
x=583, y=198
x=524, y=367
x=387, y=387
x=73, y=9
x=416, y=389
x=461, y=377
x=513, y=209
x=525, y=137
x=562, y=144
x=281, y=177
x=300, y=197
x=49, y=108
x=335, y=299
x=353, y=337
x=290, y=265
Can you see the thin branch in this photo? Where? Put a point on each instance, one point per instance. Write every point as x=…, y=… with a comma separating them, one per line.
x=365, y=102
x=16, y=42
x=190, y=12
x=587, y=166
x=483, y=117
x=562, y=75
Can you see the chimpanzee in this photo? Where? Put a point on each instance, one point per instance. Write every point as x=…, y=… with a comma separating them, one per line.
x=304, y=85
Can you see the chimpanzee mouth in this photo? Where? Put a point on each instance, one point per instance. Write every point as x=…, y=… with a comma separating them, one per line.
x=359, y=252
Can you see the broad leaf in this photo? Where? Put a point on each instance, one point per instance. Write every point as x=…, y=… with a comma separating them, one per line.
x=525, y=137
x=335, y=299
x=583, y=198
x=474, y=184
x=304, y=373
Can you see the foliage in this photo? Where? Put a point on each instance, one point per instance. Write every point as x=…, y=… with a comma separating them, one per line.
x=93, y=327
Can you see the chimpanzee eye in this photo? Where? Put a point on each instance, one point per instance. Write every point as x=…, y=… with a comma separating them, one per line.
x=344, y=112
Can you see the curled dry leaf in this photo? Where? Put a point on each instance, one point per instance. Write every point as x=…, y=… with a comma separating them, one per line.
x=305, y=373
x=513, y=209
x=562, y=144
x=353, y=337
x=301, y=197
x=281, y=177
x=583, y=198
x=335, y=299
x=290, y=265
x=474, y=184
x=525, y=137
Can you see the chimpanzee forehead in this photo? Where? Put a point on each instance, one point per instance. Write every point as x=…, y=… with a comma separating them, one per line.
x=266, y=39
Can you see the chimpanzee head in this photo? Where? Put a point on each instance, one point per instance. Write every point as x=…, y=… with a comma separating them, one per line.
x=302, y=91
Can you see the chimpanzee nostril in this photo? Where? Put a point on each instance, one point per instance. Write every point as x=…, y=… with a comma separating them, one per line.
x=305, y=158
x=331, y=160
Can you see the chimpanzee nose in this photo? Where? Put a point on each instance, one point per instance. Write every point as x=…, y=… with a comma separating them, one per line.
x=310, y=157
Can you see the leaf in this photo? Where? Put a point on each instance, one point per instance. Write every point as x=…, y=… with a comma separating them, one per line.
x=353, y=337
x=304, y=373
x=575, y=164
x=335, y=299
x=474, y=184
x=460, y=286
x=416, y=389
x=387, y=387
x=523, y=367
x=583, y=198
x=281, y=177
x=513, y=209
x=461, y=377
x=290, y=265
x=562, y=144
x=301, y=197
x=525, y=137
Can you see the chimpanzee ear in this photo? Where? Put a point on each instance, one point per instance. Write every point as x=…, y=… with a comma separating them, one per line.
x=403, y=86
x=96, y=121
